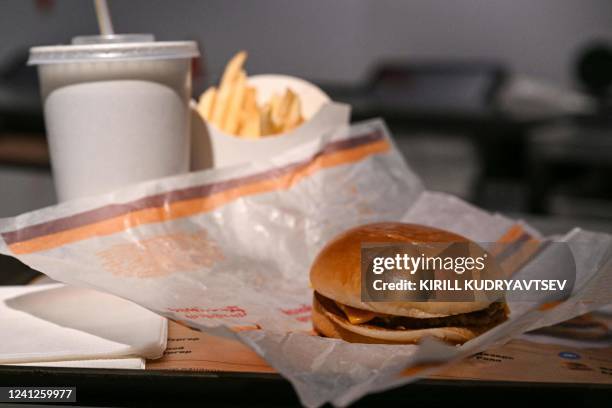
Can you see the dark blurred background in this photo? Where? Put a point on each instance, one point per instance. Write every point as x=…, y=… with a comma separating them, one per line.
x=504, y=103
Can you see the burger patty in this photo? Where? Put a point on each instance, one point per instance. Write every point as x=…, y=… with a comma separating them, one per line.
x=495, y=313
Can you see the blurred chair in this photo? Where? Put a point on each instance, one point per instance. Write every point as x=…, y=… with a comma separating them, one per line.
x=570, y=162
x=443, y=94
x=22, y=130
x=570, y=170
x=459, y=98
x=20, y=107
x=442, y=90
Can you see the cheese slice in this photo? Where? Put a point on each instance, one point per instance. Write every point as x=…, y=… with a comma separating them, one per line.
x=357, y=316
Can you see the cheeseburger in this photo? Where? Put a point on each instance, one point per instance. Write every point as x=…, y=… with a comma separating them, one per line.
x=339, y=312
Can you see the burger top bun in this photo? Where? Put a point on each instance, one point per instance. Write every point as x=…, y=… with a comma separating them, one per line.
x=336, y=272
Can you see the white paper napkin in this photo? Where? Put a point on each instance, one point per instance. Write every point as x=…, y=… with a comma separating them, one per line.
x=133, y=363
x=52, y=323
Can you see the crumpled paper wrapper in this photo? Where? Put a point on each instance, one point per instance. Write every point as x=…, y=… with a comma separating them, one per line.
x=228, y=251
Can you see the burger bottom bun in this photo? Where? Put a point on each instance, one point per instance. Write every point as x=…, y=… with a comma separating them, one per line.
x=330, y=323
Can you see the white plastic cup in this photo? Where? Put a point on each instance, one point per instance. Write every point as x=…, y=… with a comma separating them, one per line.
x=116, y=112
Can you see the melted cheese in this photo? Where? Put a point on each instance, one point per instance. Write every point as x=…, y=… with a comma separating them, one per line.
x=356, y=316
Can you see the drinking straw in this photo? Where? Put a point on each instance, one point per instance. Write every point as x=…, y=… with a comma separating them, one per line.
x=104, y=19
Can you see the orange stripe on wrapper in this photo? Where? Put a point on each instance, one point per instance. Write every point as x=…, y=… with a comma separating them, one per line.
x=238, y=329
x=179, y=209
x=513, y=234
x=514, y=249
x=418, y=368
x=549, y=305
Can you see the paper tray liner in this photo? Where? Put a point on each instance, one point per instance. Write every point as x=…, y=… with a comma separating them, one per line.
x=518, y=360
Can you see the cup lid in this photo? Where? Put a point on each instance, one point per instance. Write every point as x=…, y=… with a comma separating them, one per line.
x=117, y=47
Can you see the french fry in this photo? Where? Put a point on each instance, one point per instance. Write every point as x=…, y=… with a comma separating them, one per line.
x=267, y=123
x=275, y=105
x=289, y=101
x=218, y=113
x=282, y=109
x=250, y=100
x=231, y=122
x=207, y=102
x=251, y=125
x=250, y=117
x=232, y=70
x=294, y=115
x=232, y=107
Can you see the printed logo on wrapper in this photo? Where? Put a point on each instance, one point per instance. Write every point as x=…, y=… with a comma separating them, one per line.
x=196, y=312
x=162, y=255
x=466, y=272
x=300, y=313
